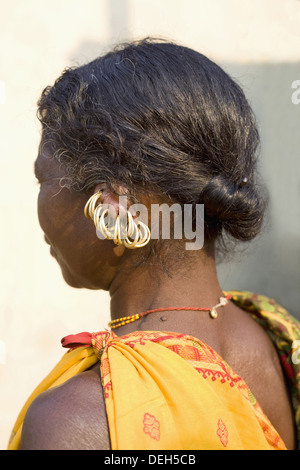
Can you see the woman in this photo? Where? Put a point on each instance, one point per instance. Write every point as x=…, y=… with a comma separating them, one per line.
x=185, y=365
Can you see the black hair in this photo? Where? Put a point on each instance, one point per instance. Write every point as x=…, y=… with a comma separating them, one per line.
x=156, y=116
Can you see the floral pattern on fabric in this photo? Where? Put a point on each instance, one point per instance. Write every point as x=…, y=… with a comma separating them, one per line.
x=283, y=329
x=195, y=352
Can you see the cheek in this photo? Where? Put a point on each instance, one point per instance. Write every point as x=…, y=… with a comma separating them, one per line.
x=61, y=218
x=85, y=260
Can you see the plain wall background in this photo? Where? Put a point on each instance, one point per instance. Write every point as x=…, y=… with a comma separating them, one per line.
x=256, y=41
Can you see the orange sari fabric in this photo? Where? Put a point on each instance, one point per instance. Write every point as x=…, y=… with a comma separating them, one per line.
x=172, y=391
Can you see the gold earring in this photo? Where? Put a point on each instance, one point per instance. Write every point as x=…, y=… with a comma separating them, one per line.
x=132, y=235
x=89, y=208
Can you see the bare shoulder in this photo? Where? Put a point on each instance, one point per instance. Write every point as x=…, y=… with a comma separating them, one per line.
x=254, y=357
x=71, y=416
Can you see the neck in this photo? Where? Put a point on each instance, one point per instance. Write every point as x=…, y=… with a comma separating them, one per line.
x=193, y=283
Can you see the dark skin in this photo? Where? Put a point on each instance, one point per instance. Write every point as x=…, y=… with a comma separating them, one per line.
x=72, y=416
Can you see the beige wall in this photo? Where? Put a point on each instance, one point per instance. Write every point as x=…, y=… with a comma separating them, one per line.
x=258, y=41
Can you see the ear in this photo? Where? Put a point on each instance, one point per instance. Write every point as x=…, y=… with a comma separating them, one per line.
x=111, y=198
x=119, y=250
x=117, y=197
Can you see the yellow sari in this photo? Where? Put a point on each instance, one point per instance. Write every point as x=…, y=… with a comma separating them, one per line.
x=165, y=391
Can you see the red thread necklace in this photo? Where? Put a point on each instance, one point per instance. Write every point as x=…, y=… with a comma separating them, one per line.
x=131, y=318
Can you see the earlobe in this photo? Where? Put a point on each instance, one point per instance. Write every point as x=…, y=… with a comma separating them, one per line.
x=119, y=250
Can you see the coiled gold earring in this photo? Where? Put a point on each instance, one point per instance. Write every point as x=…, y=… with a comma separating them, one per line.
x=123, y=231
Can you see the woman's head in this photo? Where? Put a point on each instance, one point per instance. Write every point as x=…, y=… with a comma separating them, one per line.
x=158, y=118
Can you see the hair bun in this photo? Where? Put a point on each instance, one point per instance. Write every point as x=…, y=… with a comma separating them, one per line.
x=236, y=208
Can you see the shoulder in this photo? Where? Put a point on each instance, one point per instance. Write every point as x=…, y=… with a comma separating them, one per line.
x=71, y=416
x=254, y=357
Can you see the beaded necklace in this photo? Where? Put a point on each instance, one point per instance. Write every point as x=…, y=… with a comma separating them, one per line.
x=131, y=318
